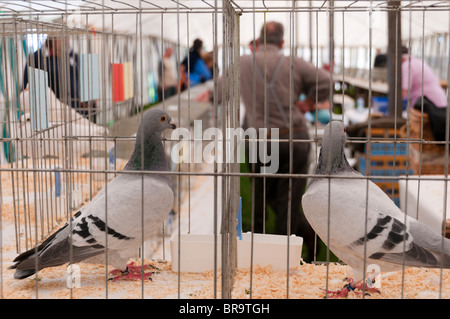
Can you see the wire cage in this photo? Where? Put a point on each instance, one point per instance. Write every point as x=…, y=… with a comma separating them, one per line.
x=77, y=76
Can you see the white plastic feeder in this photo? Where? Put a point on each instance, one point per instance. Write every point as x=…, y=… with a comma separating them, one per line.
x=269, y=250
x=197, y=251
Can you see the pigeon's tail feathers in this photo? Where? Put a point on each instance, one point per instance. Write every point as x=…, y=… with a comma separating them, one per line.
x=54, y=251
x=443, y=260
x=22, y=274
x=431, y=252
x=441, y=255
x=424, y=257
x=416, y=257
x=432, y=242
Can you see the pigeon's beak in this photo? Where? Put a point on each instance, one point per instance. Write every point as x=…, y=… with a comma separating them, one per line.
x=172, y=124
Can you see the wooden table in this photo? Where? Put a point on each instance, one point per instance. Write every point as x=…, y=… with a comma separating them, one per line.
x=362, y=84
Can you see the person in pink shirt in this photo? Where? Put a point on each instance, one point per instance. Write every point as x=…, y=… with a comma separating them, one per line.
x=431, y=86
x=414, y=84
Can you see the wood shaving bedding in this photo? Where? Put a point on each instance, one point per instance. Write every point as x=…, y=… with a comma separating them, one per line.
x=307, y=281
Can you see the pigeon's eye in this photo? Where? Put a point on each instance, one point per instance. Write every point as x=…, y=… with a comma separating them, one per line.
x=163, y=118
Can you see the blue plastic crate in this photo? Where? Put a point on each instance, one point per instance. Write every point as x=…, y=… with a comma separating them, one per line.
x=385, y=173
x=387, y=149
x=382, y=172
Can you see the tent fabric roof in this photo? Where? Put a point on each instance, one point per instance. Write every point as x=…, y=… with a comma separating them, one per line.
x=356, y=23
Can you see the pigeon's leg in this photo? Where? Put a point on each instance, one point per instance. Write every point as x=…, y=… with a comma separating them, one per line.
x=361, y=285
x=351, y=286
x=132, y=272
x=138, y=269
x=341, y=293
x=127, y=275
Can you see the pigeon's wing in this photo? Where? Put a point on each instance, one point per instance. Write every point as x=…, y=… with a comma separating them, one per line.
x=341, y=209
x=416, y=245
x=73, y=242
x=131, y=200
x=363, y=220
x=396, y=238
x=56, y=250
x=91, y=229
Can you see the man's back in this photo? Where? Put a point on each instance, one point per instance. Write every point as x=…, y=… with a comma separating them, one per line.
x=303, y=81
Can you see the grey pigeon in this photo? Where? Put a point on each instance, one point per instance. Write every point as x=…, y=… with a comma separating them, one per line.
x=116, y=224
x=389, y=239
